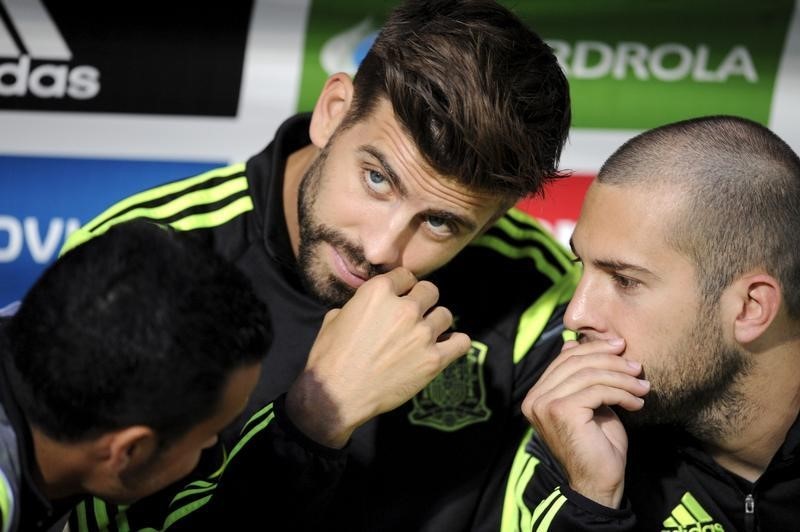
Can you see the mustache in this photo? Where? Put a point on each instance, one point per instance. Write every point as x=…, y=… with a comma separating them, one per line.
x=352, y=252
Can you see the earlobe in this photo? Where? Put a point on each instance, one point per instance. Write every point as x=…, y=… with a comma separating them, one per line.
x=331, y=108
x=759, y=300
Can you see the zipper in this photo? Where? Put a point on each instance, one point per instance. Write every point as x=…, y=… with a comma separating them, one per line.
x=749, y=513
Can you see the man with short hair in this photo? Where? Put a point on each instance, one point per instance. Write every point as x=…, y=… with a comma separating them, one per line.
x=678, y=408
x=408, y=171
x=125, y=360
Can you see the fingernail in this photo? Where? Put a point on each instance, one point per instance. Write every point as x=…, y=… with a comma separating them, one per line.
x=616, y=342
x=645, y=383
x=633, y=364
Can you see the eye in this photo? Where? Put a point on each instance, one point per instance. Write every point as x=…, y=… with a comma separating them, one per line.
x=440, y=226
x=625, y=283
x=377, y=182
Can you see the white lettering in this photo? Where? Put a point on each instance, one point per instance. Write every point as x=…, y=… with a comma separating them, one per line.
x=580, y=59
x=680, y=71
x=19, y=73
x=13, y=248
x=738, y=63
x=700, y=71
x=631, y=54
x=48, y=81
x=665, y=62
x=43, y=251
x=84, y=82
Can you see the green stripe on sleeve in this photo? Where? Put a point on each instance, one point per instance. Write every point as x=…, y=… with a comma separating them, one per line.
x=198, y=197
x=514, y=252
x=80, y=515
x=545, y=504
x=544, y=525
x=535, y=318
x=216, y=218
x=183, y=511
x=100, y=513
x=516, y=516
x=536, y=233
x=164, y=190
x=6, y=502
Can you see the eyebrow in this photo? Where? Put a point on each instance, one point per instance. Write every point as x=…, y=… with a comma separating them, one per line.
x=387, y=168
x=466, y=223
x=614, y=265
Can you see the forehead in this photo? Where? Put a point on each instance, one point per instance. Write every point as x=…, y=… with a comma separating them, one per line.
x=380, y=132
x=628, y=224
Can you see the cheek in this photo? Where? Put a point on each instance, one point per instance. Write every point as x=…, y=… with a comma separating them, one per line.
x=423, y=255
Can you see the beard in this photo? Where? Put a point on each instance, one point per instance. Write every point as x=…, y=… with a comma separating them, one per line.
x=315, y=274
x=698, y=391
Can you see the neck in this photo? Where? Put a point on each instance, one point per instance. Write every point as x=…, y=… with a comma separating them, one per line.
x=296, y=166
x=59, y=466
x=772, y=395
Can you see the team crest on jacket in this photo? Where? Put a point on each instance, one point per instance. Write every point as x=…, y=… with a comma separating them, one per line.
x=457, y=397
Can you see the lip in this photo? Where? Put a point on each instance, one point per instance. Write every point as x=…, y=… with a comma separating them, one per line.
x=345, y=270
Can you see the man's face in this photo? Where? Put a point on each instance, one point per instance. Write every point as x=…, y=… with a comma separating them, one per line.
x=181, y=456
x=637, y=287
x=369, y=203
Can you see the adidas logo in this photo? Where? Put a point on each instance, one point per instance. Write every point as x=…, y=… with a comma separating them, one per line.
x=40, y=56
x=689, y=516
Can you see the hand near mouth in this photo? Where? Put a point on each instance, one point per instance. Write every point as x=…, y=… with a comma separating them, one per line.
x=372, y=355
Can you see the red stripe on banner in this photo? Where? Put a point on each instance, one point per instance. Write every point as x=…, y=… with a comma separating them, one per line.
x=561, y=201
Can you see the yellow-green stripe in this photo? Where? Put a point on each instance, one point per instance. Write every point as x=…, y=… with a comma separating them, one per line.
x=544, y=525
x=535, y=318
x=164, y=190
x=516, y=516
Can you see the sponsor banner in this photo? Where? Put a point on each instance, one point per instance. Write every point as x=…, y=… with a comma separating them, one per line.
x=631, y=65
x=44, y=199
x=131, y=57
x=559, y=207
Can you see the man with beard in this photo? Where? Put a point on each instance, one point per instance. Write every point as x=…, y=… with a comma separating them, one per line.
x=407, y=171
x=677, y=409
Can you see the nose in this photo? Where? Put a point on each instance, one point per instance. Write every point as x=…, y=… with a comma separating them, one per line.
x=584, y=312
x=384, y=243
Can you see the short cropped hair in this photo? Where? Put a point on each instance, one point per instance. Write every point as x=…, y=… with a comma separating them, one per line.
x=741, y=188
x=139, y=326
x=480, y=94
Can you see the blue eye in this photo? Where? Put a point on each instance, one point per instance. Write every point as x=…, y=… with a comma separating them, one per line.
x=440, y=226
x=376, y=177
x=377, y=182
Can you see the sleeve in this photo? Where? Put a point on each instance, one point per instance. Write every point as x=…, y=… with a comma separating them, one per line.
x=273, y=475
x=540, y=499
x=7, y=503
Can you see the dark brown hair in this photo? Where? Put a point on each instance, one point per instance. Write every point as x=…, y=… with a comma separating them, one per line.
x=480, y=94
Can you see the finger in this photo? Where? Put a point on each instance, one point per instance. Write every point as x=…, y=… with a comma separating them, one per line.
x=425, y=294
x=588, y=377
x=439, y=319
x=596, y=396
x=569, y=344
x=402, y=280
x=452, y=346
x=563, y=369
x=610, y=347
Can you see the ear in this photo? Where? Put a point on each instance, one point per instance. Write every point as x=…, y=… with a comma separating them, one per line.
x=756, y=299
x=130, y=447
x=331, y=107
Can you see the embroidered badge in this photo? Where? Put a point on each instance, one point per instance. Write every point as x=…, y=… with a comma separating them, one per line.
x=457, y=397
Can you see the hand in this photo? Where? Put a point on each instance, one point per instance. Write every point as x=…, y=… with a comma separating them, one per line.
x=569, y=408
x=373, y=355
